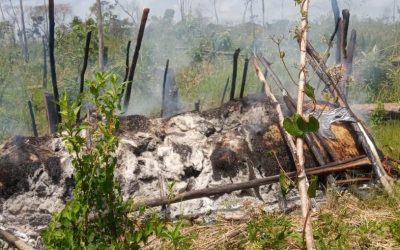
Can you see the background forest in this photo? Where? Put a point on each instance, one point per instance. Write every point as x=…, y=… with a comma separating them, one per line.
x=199, y=49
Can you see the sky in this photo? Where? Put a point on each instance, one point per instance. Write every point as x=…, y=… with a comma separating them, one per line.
x=231, y=11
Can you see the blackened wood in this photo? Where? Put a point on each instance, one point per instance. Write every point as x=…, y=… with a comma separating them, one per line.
x=225, y=89
x=234, y=73
x=246, y=65
x=208, y=192
x=128, y=48
x=135, y=58
x=84, y=67
x=32, y=114
x=51, y=112
x=336, y=14
x=163, y=88
x=344, y=30
x=197, y=106
x=52, y=59
x=44, y=63
x=333, y=155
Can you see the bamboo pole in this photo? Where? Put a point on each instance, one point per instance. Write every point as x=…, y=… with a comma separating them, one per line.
x=135, y=58
x=82, y=78
x=302, y=178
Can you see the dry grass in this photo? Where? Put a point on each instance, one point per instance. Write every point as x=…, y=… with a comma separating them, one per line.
x=343, y=221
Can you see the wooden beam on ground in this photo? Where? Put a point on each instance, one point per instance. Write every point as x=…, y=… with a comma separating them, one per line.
x=13, y=240
x=356, y=162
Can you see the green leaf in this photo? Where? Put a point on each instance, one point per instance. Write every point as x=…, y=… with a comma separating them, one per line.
x=311, y=126
x=312, y=189
x=284, y=182
x=309, y=91
x=290, y=124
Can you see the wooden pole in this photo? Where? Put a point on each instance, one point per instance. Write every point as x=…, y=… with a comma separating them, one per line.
x=225, y=89
x=302, y=178
x=13, y=240
x=32, y=114
x=51, y=112
x=163, y=88
x=135, y=58
x=52, y=59
x=356, y=162
x=234, y=73
x=246, y=65
x=128, y=48
x=44, y=63
x=85, y=63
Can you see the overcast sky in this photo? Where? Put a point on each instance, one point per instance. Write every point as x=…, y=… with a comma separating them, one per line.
x=232, y=10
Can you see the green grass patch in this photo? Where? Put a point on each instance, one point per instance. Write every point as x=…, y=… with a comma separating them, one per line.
x=387, y=137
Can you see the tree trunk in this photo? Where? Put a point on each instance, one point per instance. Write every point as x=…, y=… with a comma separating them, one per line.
x=44, y=63
x=101, y=35
x=215, y=11
x=25, y=41
x=302, y=178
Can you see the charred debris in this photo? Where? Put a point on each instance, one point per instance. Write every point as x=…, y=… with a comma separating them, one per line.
x=244, y=135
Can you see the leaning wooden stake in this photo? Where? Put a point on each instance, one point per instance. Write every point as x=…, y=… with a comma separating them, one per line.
x=85, y=63
x=163, y=89
x=135, y=58
x=18, y=243
x=52, y=58
x=224, y=92
x=302, y=178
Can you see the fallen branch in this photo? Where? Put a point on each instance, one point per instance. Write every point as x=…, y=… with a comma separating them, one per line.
x=207, y=192
x=13, y=240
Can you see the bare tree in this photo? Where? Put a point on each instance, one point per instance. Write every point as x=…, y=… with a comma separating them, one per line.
x=25, y=41
x=263, y=12
x=3, y=17
x=101, y=35
x=131, y=14
x=214, y=2
x=185, y=8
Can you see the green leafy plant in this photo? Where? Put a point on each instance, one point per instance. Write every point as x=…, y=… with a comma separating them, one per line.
x=270, y=231
x=175, y=238
x=377, y=116
x=297, y=126
x=97, y=217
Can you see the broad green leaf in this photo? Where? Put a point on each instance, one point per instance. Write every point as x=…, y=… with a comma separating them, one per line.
x=311, y=126
x=309, y=91
x=290, y=124
x=312, y=189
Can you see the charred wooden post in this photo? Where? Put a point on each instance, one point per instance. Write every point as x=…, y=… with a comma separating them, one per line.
x=32, y=114
x=234, y=73
x=333, y=167
x=52, y=59
x=224, y=92
x=163, y=88
x=171, y=100
x=85, y=63
x=135, y=58
x=246, y=65
x=51, y=112
x=336, y=15
x=128, y=48
x=44, y=63
x=105, y=56
x=197, y=106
